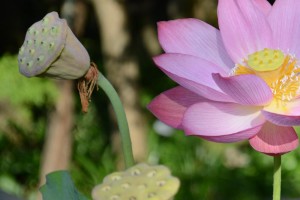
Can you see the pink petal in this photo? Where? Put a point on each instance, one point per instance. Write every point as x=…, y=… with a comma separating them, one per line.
x=192, y=73
x=281, y=120
x=244, y=28
x=209, y=119
x=263, y=5
x=170, y=106
x=285, y=23
x=194, y=37
x=275, y=140
x=245, y=89
x=235, y=137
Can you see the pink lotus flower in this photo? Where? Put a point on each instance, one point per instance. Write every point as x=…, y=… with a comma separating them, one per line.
x=239, y=83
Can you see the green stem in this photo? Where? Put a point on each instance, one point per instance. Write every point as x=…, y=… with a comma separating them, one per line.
x=277, y=178
x=121, y=118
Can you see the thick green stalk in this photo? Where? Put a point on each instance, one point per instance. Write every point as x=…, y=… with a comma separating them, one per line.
x=121, y=118
x=277, y=178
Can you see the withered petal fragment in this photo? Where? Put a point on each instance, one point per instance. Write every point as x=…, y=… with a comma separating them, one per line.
x=86, y=85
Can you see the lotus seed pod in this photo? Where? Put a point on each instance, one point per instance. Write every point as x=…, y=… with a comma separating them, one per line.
x=51, y=49
x=140, y=182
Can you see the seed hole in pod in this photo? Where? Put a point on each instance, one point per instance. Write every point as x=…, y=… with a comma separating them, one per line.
x=45, y=20
x=28, y=42
x=151, y=194
x=40, y=58
x=51, y=44
x=21, y=50
x=35, y=32
x=22, y=60
x=135, y=172
x=115, y=197
x=53, y=30
x=106, y=188
x=30, y=30
x=31, y=51
x=125, y=185
x=29, y=64
x=152, y=173
x=161, y=183
x=132, y=198
x=116, y=178
x=44, y=30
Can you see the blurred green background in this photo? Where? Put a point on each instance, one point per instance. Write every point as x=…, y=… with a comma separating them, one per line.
x=27, y=107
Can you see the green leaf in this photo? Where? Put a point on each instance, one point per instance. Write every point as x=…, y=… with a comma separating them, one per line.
x=59, y=186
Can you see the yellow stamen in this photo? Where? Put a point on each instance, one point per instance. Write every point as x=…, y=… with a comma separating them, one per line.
x=243, y=70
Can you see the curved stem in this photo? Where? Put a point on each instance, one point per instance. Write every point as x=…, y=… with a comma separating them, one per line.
x=277, y=178
x=121, y=118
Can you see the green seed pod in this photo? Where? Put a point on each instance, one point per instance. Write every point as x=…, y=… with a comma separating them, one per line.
x=51, y=49
x=140, y=182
